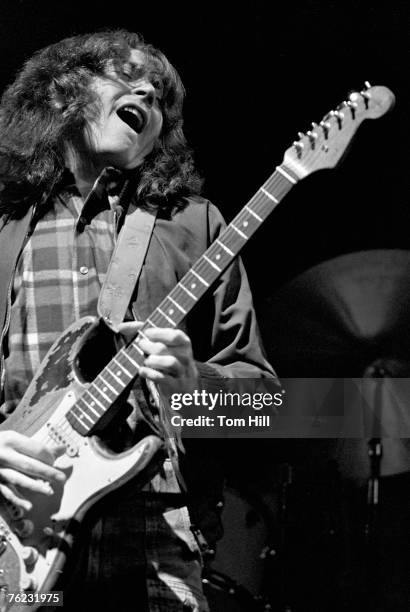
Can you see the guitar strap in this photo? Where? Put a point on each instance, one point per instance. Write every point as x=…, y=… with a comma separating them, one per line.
x=125, y=266
x=122, y=276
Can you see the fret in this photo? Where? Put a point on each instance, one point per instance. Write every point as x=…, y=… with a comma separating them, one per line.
x=238, y=231
x=73, y=415
x=203, y=281
x=269, y=195
x=134, y=363
x=90, y=409
x=211, y=263
x=121, y=382
x=138, y=337
x=217, y=255
x=253, y=213
x=76, y=421
x=225, y=248
x=177, y=305
x=100, y=391
x=193, y=285
x=123, y=368
x=117, y=384
x=83, y=415
x=106, y=384
x=135, y=345
x=93, y=402
x=286, y=175
x=166, y=316
x=187, y=291
x=278, y=185
x=115, y=377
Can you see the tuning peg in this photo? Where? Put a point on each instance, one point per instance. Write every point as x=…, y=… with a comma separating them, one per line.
x=354, y=96
x=352, y=105
x=299, y=146
x=325, y=125
x=338, y=116
x=301, y=135
x=365, y=91
x=312, y=138
x=365, y=94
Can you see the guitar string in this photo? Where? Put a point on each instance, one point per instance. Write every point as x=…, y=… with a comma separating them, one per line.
x=258, y=204
x=245, y=219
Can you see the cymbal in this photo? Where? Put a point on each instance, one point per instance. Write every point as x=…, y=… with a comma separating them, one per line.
x=339, y=316
x=348, y=317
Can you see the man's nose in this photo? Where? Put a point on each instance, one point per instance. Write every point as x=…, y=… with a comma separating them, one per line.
x=145, y=91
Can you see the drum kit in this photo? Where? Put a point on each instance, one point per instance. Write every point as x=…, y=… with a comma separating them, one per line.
x=326, y=527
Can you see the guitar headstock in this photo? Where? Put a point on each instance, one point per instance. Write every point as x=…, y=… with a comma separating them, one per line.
x=324, y=145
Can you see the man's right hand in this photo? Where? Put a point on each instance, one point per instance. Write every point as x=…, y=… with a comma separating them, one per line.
x=27, y=464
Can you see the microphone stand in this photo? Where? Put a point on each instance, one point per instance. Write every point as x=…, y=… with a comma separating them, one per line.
x=375, y=454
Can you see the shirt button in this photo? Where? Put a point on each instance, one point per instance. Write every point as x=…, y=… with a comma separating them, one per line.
x=84, y=270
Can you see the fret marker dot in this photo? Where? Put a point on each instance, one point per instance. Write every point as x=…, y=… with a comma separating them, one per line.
x=171, y=311
x=218, y=256
x=119, y=373
x=92, y=404
x=193, y=285
x=245, y=224
x=104, y=389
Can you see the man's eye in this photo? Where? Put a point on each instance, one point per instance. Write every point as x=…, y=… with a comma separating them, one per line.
x=159, y=89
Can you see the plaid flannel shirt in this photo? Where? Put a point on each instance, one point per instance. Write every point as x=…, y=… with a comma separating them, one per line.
x=58, y=280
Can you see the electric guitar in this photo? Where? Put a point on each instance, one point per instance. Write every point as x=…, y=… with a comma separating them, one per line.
x=61, y=407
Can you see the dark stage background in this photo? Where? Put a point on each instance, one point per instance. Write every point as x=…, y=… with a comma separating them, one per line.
x=256, y=73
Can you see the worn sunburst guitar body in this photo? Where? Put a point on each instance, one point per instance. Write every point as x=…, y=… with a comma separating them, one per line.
x=36, y=545
x=60, y=408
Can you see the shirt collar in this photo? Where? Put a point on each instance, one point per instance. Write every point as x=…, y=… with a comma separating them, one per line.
x=111, y=180
x=107, y=192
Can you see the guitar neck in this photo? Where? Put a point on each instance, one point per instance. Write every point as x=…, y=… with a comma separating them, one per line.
x=124, y=367
x=180, y=301
x=321, y=147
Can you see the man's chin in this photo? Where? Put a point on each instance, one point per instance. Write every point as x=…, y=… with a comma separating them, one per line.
x=128, y=162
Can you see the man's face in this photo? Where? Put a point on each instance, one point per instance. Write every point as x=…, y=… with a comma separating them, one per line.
x=129, y=120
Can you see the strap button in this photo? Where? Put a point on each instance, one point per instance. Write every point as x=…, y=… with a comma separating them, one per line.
x=83, y=270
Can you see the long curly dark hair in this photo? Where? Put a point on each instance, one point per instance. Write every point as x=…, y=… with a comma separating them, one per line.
x=49, y=104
